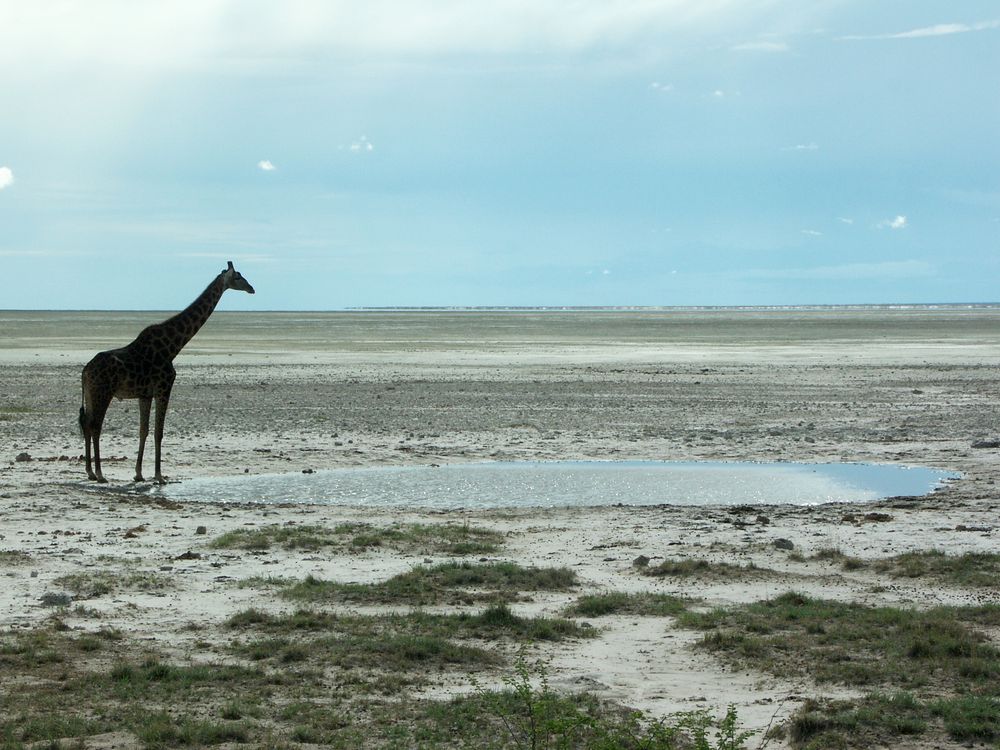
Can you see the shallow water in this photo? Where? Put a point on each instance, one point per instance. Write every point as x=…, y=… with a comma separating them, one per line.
x=571, y=484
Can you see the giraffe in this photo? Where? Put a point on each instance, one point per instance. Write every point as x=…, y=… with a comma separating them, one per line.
x=144, y=370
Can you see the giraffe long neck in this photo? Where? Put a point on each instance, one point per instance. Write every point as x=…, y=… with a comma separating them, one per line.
x=181, y=328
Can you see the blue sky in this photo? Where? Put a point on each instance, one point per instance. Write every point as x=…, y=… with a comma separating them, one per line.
x=516, y=152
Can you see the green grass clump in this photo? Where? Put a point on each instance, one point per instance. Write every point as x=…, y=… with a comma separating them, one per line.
x=531, y=715
x=698, y=568
x=449, y=582
x=618, y=603
x=324, y=679
x=970, y=718
x=91, y=585
x=945, y=670
x=971, y=569
x=163, y=729
x=493, y=623
x=836, y=556
x=304, y=537
x=853, y=644
x=876, y=720
x=885, y=719
x=10, y=558
x=446, y=539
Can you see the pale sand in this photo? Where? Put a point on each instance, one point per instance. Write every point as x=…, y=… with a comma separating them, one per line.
x=921, y=396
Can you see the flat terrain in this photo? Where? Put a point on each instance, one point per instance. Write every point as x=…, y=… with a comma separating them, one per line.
x=288, y=392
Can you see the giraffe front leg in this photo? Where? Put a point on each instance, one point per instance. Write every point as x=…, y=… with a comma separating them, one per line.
x=144, y=404
x=161, y=416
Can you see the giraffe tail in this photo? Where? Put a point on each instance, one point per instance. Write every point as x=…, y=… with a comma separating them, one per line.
x=83, y=420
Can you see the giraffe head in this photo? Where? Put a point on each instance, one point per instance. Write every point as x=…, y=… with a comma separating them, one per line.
x=233, y=279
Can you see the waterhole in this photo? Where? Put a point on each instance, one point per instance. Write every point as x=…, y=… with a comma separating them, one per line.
x=571, y=484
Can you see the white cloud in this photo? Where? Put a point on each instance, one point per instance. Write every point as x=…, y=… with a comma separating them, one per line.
x=661, y=87
x=191, y=33
x=265, y=165
x=812, y=232
x=899, y=222
x=811, y=146
x=941, y=29
x=761, y=47
x=362, y=145
x=6, y=177
x=845, y=220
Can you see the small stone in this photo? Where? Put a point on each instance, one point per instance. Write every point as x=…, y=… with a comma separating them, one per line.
x=308, y=471
x=22, y=457
x=201, y=530
x=977, y=444
x=640, y=562
x=189, y=555
x=785, y=544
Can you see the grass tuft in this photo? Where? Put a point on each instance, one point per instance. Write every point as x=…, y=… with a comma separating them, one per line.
x=445, y=539
x=618, y=603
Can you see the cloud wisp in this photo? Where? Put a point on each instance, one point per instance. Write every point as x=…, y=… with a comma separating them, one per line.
x=940, y=29
x=6, y=177
x=770, y=47
x=265, y=165
x=362, y=145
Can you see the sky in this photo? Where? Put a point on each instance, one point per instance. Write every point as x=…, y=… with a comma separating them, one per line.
x=515, y=152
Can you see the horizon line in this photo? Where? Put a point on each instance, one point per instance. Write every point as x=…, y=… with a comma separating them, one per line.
x=541, y=308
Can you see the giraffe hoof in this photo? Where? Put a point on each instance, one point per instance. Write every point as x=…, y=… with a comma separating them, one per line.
x=160, y=480
x=102, y=480
x=138, y=478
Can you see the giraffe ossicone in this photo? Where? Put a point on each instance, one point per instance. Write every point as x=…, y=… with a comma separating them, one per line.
x=144, y=370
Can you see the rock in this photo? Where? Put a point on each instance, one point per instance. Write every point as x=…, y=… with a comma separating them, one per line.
x=763, y=520
x=977, y=444
x=308, y=471
x=189, y=555
x=201, y=530
x=785, y=544
x=22, y=457
x=640, y=562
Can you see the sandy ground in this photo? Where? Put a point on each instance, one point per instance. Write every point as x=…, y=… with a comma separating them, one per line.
x=918, y=399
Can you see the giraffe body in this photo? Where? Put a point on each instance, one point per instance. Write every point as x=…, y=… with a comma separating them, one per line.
x=144, y=370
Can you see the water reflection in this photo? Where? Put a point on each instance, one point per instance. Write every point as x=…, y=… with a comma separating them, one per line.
x=571, y=484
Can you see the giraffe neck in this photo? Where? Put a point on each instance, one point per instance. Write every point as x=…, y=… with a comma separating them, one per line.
x=181, y=328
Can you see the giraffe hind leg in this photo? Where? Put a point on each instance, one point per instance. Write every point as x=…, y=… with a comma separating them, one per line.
x=144, y=404
x=95, y=421
x=87, y=432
